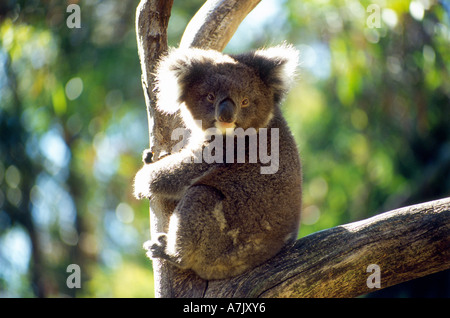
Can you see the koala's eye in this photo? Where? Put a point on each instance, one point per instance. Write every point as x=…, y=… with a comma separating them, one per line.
x=245, y=102
x=210, y=97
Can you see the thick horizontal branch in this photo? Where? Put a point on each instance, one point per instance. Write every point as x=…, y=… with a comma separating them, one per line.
x=406, y=243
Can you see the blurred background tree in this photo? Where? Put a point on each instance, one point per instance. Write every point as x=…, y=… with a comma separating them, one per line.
x=370, y=112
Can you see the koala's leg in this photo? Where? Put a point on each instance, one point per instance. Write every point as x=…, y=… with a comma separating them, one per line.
x=198, y=232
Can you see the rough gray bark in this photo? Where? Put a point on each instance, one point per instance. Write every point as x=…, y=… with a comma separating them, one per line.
x=215, y=23
x=407, y=243
x=152, y=19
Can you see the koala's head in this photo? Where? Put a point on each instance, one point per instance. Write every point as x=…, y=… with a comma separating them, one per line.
x=225, y=91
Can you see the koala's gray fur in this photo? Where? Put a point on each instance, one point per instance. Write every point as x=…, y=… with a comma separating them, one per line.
x=226, y=218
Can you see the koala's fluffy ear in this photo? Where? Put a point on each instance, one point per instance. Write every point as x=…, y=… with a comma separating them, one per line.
x=276, y=66
x=180, y=68
x=170, y=74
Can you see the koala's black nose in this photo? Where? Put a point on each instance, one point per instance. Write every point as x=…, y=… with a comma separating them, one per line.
x=226, y=111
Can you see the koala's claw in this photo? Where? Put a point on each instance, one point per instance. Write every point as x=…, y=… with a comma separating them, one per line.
x=162, y=239
x=147, y=156
x=157, y=249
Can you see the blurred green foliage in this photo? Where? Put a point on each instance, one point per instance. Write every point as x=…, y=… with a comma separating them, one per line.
x=370, y=113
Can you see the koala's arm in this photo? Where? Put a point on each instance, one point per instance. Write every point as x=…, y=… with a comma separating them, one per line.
x=171, y=175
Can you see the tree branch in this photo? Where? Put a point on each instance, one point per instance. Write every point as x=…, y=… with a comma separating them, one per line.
x=152, y=19
x=406, y=243
x=214, y=24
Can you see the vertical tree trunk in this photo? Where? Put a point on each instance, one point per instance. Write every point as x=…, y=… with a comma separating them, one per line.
x=211, y=28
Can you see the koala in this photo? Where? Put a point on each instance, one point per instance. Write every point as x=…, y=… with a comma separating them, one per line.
x=227, y=215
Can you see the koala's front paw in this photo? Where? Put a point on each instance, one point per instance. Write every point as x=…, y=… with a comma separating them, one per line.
x=157, y=249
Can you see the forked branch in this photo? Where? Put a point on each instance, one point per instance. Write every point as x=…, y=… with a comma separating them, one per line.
x=407, y=243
